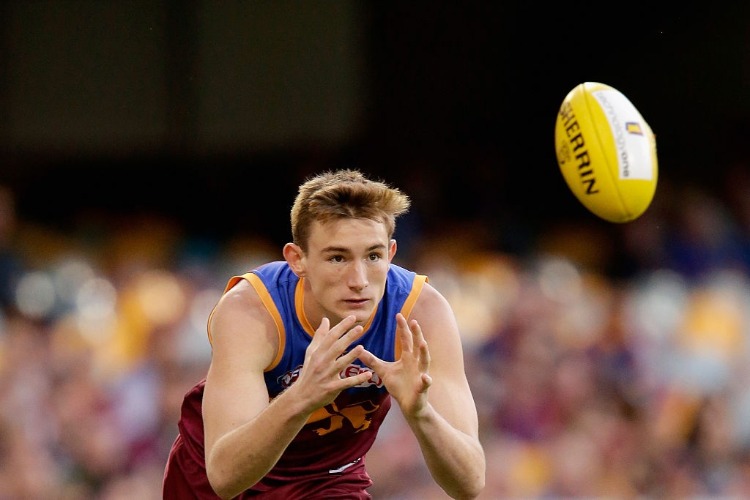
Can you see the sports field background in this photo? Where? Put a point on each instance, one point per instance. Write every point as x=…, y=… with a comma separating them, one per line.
x=150, y=150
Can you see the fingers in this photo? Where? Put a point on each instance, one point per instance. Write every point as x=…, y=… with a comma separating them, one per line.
x=345, y=361
x=424, y=351
x=413, y=341
x=369, y=359
x=342, y=343
x=336, y=338
x=411, y=333
x=331, y=344
x=407, y=341
x=326, y=332
x=329, y=356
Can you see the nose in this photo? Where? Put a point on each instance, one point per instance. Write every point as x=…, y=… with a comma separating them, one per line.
x=357, y=277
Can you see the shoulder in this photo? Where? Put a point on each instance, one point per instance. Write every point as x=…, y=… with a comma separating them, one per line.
x=241, y=321
x=440, y=328
x=244, y=293
x=240, y=297
x=431, y=302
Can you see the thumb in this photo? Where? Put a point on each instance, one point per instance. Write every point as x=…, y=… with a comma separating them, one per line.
x=370, y=359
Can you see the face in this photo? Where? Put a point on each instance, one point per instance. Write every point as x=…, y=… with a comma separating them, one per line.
x=345, y=268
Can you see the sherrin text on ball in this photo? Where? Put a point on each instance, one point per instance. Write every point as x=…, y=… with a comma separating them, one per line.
x=606, y=152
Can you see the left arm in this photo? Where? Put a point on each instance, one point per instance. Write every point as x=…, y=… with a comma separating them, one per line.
x=430, y=386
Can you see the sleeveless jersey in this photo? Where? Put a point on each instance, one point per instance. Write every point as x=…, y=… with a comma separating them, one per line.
x=329, y=450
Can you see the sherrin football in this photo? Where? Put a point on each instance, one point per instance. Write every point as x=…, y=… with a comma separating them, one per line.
x=606, y=152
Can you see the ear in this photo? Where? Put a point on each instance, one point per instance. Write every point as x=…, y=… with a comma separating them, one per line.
x=294, y=256
x=392, y=250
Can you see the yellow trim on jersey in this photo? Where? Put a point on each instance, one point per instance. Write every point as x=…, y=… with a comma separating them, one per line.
x=299, y=305
x=416, y=289
x=265, y=297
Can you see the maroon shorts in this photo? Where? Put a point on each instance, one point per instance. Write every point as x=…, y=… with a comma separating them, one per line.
x=185, y=479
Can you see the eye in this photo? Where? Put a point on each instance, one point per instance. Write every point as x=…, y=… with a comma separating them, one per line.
x=336, y=258
x=374, y=257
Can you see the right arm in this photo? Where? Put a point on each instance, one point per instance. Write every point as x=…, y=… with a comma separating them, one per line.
x=245, y=434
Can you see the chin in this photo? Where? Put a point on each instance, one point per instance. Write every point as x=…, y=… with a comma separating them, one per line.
x=362, y=314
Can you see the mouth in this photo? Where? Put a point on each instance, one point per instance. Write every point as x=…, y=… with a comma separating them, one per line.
x=356, y=302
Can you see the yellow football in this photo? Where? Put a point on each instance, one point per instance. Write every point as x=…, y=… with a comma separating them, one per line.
x=606, y=152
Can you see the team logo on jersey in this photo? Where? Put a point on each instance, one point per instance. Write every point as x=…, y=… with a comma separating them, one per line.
x=290, y=377
x=331, y=417
x=358, y=416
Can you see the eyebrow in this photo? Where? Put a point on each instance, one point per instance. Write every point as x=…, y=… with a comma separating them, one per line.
x=333, y=249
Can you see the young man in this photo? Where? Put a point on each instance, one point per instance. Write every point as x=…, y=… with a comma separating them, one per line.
x=308, y=352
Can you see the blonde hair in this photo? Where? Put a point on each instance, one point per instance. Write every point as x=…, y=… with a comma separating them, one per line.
x=345, y=193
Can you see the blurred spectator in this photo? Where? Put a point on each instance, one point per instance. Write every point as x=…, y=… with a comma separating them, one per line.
x=11, y=264
x=706, y=236
x=588, y=384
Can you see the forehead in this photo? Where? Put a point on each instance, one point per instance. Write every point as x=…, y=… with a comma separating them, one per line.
x=347, y=233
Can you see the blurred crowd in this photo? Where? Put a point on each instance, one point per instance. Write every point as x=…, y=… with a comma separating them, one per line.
x=589, y=383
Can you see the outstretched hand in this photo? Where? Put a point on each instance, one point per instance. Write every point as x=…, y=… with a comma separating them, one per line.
x=326, y=358
x=406, y=379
